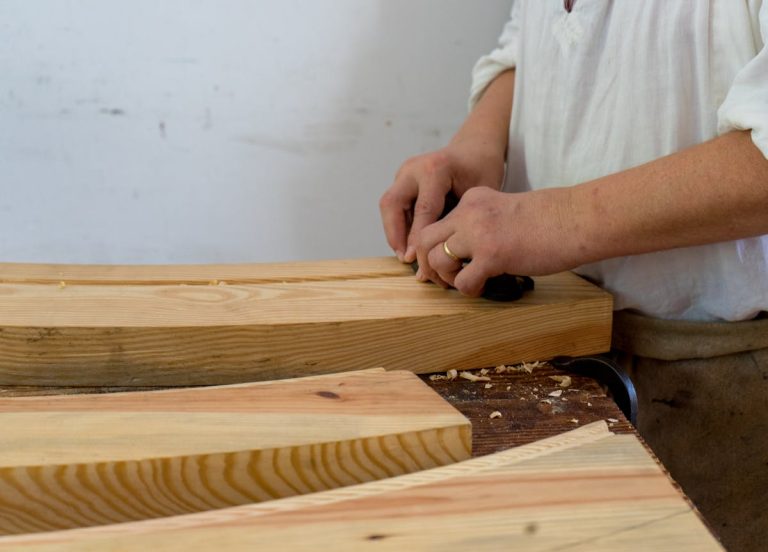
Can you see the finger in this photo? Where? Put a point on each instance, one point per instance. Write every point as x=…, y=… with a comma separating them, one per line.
x=435, y=234
x=395, y=207
x=470, y=281
x=429, y=205
x=446, y=267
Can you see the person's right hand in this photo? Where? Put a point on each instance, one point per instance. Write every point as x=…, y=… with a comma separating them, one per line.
x=417, y=197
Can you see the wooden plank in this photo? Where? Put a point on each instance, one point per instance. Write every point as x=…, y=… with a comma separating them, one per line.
x=262, y=273
x=143, y=335
x=584, y=490
x=83, y=460
x=528, y=412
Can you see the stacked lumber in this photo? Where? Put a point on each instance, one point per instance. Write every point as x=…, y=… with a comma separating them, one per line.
x=194, y=325
x=583, y=490
x=85, y=460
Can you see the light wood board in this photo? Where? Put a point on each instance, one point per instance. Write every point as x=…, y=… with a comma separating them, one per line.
x=82, y=460
x=319, y=321
x=262, y=273
x=586, y=490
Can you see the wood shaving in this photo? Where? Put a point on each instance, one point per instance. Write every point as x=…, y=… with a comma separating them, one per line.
x=495, y=414
x=613, y=420
x=589, y=404
x=452, y=374
x=472, y=377
x=488, y=385
x=484, y=372
x=574, y=421
x=509, y=387
x=437, y=377
x=527, y=367
x=556, y=393
x=564, y=381
x=501, y=369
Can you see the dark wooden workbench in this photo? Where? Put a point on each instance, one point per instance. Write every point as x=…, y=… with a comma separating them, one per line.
x=528, y=412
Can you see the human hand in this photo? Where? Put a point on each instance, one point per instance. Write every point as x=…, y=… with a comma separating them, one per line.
x=529, y=233
x=417, y=197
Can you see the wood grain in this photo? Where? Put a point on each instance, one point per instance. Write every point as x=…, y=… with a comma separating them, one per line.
x=584, y=490
x=142, y=335
x=262, y=273
x=83, y=460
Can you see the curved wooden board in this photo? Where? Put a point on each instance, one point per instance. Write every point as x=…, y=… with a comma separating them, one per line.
x=139, y=335
x=583, y=490
x=82, y=460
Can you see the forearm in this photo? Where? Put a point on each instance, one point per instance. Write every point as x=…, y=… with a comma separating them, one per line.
x=716, y=191
x=488, y=123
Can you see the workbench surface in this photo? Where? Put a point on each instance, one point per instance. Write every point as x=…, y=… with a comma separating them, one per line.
x=528, y=412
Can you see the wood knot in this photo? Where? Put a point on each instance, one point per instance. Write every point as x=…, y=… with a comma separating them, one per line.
x=327, y=395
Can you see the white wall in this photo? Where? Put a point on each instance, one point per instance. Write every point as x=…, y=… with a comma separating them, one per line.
x=221, y=130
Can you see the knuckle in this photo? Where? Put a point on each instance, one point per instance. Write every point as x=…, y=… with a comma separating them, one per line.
x=385, y=200
x=424, y=207
x=435, y=162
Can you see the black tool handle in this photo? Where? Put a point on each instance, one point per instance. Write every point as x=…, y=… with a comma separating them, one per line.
x=607, y=372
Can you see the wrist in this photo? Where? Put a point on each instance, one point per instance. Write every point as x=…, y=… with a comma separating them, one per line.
x=588, y=224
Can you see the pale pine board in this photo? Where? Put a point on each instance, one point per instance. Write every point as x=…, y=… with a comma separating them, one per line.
x=263, y=273
x=174, y=335
x=586, y=490
x=83, y=460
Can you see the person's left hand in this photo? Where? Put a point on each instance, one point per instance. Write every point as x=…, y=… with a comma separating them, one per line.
x=530, y=234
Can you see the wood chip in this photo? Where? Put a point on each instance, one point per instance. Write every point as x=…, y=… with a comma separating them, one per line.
x=501, y=369
x=574, y=421
x=452, y=374
x=613, y=420
x=488, y=385
x=437, y=377
x=564, y=381
x=495, y=414
x=509, y=387
x=527, y=367
x=484, y=372
x=472, y=377
x=556, y=393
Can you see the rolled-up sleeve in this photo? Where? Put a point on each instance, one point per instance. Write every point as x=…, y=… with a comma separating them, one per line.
x=746, y=105
x=499, y=60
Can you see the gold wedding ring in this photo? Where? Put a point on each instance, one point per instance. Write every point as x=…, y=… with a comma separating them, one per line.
x=450, y=253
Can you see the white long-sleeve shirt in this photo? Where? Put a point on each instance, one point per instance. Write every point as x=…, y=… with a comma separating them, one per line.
x=617, y=83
